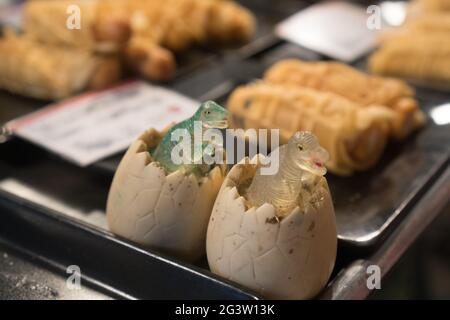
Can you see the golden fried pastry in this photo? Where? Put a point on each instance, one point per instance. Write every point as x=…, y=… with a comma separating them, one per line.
x=140, y=28
x=418, y=51
x=436, y=24
x=424, y=58
x=159, y=24
x=150, y=60
x=354, y=85
x=177, y=24
x=106, y=24
x=430, y=5
x=431, y=22
x=223, y=21
x=102, y=26
x=51, y=72
x=355, y=137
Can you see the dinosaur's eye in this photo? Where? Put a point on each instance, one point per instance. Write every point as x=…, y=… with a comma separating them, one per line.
x=207, y=112
x=300, y=147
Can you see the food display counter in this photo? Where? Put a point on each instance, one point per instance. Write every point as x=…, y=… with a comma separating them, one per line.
x=54, y=210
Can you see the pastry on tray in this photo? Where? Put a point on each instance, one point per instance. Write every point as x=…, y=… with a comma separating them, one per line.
x=148, y=29
x=142, y=35
x=54, y=22
x=51, y=72
x=177, y=24
x=423, y=58
x=419, y=50
x=420, y=6
x=435, y=24
x=354, y=136
x=108, y=24
x=363, y=89
x=104, y=28
x=432, y=22
x=149, y=60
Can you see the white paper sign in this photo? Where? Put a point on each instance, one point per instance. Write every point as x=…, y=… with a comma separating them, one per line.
x=92, y=126
x=11, y=14
x=336, y=29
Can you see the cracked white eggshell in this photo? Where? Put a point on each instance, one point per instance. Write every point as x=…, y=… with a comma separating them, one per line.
x=168, y=213
x=291, y=258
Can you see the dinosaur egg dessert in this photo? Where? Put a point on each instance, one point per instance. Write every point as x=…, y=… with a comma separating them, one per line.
x=276, y=234
x=162, y=205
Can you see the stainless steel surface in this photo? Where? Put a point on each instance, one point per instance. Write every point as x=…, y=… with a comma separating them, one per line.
x=370, y=204
x=351, y=282
x=108, y=263
x=32, y=175
x=25, y=278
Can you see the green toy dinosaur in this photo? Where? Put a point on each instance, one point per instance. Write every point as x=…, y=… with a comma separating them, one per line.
x=211, y=116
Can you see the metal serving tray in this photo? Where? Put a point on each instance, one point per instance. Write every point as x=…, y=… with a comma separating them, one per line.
x=369, y=203
x=107, y=264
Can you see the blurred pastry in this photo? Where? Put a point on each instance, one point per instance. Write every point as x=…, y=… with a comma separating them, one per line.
x=432, y=22
x=103, y=26
x=355, y=137
x=419, y=50
x=436, y=24
x=108, y=24
x=420, y=6
x=145, y=29
x=149, y=60
x=354, y=85
x=177, y=24
x=51, y=72
x=424, y=58
x=159, y=24
x=223, y=21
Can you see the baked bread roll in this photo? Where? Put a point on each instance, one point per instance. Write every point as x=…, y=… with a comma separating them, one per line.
x=222, y=21
x=431, y=22
x=149, y=60
x=418, y=51
x=435, y=24
x=177, y=24
x=354, y=85
x=355, y=137
x=422, y=57
x=103, y=24
x=51, y=72
x=419, y=6
x=146, y=29
x=107, y=24
x=105, y=28
x=159, y=23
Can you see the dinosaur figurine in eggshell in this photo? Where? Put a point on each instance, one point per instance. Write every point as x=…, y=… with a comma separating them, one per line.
x=211, y=116
x=301, y=162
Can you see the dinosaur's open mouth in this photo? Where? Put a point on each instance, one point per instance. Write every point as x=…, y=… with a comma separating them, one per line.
x=220, y=124
x=314, y=166
x=318, y=164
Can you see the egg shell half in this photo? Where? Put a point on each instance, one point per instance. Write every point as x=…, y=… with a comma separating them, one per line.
x=168, y=213
x=291, y=258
